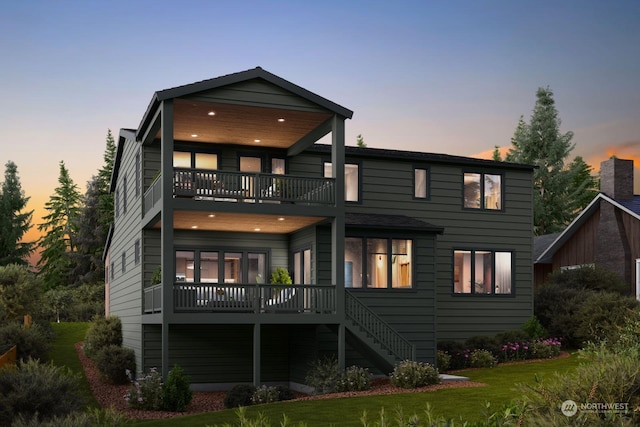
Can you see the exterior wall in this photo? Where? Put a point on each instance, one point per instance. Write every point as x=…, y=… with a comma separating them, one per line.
x=581, y=247
x=387, y=188
x=125, y=291
x=632, y=229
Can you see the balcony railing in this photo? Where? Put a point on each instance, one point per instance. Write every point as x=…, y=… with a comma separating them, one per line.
x=254, y=298
x=153, y=299
x=258, y=187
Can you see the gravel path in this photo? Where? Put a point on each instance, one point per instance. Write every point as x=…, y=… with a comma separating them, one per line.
x=109, y=395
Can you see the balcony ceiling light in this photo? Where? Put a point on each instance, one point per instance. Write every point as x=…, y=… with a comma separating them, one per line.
x=281, y=218
x=256, y=140
x=194, y=135
x=211, y=215
x=194, y=226
x=256, y=229
x=211, y=113
x=281, y=119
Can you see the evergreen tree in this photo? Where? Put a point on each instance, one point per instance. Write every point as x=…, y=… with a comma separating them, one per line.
x=105, y=204
x=360, y=141
x=59, y=232
x=561, y=189
x=14, y=222
x=90, y=238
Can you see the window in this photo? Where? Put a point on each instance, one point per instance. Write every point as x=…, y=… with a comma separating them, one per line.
x=302, y=267
x=351, y=180
x=124, y=195
x=277, y=166
x=136, y=251
x=116, y=206
x=482, y=272
x=124, y=262
x=137, y=177
x=387, y=263
x=112, y=269
x=482, y=191
x=420, y=183
x=185, y=159
x=212, y=266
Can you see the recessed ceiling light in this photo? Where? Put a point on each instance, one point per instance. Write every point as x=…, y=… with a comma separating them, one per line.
x=281, y=119
x=194, y=135
x=281, y=218
x=256, y=229
x=211, y=113
x=211, y=215
x=256, y=140
x=194, y=226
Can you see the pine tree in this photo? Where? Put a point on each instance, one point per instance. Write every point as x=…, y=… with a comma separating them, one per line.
x=90, y=239
x=59, y=232
x=561, y=189
x=105, y=205
x=14, y=222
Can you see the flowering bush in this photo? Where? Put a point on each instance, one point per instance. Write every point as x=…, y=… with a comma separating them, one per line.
x=355, y=378
x=443, y=360
x=146, y=391
x=265, y=394
x=482, y=359
x=545, y=349
x=512, y=351
x=411, y=374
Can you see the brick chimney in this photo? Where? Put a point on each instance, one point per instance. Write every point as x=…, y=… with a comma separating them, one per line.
x=616, y=178
x=613, y=249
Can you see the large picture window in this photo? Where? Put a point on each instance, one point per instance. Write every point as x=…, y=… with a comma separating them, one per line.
x=482, y=191
x=482, y=272
x=238, y=267
x=378, y=263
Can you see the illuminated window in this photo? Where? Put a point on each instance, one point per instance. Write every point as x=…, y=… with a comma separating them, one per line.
x=420, y=184
x=387, y=263
x=482, y=272
x=351, y=180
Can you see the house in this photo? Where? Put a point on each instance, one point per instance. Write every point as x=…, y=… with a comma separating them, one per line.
x=224, y=182
x=606, y=232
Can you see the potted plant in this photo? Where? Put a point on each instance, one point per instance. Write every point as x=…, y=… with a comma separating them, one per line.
x=156, y=277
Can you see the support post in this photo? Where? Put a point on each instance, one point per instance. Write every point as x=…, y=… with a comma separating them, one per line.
x=256, y=354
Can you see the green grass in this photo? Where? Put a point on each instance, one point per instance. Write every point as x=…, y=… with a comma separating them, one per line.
x=63, y=352
x=467, y=403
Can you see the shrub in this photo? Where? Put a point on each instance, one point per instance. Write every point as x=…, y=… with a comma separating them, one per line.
x=546, y=348
x=239, y=395
x=596, y=279
x=513, y=335
x=146, y=392
x=534, y=329
x=176, y=392
x=602, y=315
x=113, y=362
x=355, y=378
x=36, y=390
x=33, y=343
x=20, y=292
x=459, y=354
x=411, y=374
x=285, y=393
x=92, y=418
x=104, y=331
x=265, y=394
x=443, y=361
x=481, y=358
x=512, y=351
x=483, y=342
x=324, y=375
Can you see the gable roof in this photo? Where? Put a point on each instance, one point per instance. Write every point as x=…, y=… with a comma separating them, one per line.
x=229, y=79
x=631, y=207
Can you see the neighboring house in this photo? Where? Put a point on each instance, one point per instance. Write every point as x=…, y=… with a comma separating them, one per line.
x=606, y=233
x=389, y=251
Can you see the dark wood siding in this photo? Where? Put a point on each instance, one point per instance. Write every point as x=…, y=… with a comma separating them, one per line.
x=580, y=248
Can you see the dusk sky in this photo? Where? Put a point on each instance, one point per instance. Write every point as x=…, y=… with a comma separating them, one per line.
x=437, y=76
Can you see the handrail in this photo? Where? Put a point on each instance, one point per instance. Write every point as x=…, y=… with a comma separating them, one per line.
x=153, y=194
x=260, y=187
x=380, y=330
x=153, y=299
x=254, y=298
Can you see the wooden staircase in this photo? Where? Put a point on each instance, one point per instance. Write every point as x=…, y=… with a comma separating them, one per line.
x=376, y=335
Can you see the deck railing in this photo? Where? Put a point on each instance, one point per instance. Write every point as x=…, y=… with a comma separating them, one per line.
x=153, y=194
x=254, y=298
x=153, y=299
x=378, y=329
x=258, y=187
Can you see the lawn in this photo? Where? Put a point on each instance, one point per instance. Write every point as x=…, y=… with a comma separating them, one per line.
x=467, y=403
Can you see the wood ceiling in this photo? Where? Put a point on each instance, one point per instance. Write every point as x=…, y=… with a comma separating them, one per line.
x=239, y=124
x=235, y=222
